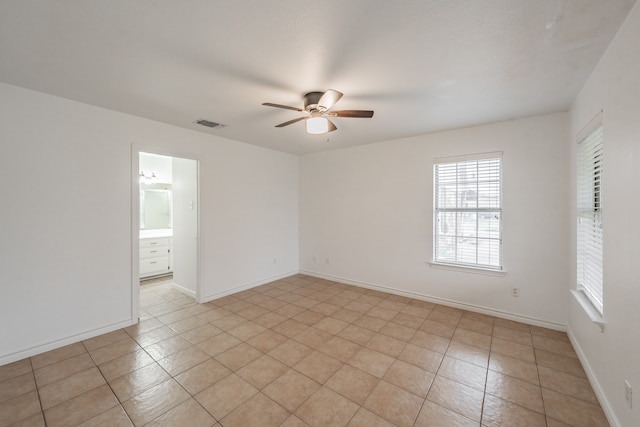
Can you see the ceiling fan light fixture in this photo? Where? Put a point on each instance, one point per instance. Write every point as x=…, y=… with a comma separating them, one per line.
x=317, y=109
x=317, y=125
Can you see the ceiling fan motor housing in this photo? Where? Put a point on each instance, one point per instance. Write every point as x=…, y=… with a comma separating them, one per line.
x=311, y=100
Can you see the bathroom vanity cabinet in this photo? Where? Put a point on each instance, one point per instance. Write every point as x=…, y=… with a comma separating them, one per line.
x=155, y=256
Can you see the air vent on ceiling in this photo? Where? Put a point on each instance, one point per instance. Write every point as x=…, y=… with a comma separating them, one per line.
x=209, y=124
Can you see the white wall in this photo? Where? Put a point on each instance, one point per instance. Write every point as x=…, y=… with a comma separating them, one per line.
x=185, y=224
x=66, y=227
x=613, y=356
x=369, y=211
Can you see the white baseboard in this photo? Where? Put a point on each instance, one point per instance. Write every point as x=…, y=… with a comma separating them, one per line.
x=593, y=380
x=52, y=345
x=184, y=290
x=211, y=297
x=442, y=301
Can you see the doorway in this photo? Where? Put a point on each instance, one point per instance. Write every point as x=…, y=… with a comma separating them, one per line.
x=165, y=222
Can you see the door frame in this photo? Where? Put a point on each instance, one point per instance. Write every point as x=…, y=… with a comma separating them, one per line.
x=136, y=149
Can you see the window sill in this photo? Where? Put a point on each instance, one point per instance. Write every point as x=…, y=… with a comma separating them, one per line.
x=586, y=305
x=467, y=269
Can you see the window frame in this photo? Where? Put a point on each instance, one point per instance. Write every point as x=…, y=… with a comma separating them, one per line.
x=447, y=262
x=589, y=218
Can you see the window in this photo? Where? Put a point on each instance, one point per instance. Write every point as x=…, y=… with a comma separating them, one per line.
x=468, y=211
x=589, y=227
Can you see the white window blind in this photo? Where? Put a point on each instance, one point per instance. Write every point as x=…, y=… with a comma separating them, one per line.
x=589, y=228
x=468, y=211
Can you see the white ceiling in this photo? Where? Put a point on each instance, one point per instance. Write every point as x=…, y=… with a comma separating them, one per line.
x=422, y=65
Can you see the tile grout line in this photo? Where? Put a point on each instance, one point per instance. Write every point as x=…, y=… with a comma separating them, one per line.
x=535, y=358
x=486, y=379
x=108, y=385
x=171, y=377
x=33, y=372
x=435, y=374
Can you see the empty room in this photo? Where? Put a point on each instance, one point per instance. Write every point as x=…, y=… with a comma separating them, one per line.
x=293, y=213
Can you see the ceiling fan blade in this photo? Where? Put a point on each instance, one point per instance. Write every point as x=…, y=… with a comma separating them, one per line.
x=269, y=104
x=351, y=113
x=329, y=98
x=332, y=127
x=290, y=122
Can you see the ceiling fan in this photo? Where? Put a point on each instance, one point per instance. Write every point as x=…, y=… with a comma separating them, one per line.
x=317, y=109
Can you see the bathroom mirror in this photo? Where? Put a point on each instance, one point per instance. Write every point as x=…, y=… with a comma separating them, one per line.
x=155, y=208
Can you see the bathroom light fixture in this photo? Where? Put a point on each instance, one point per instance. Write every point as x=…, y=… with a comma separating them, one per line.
x=145, y=176
x=317, y=125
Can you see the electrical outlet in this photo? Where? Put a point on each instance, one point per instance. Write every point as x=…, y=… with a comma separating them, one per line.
x=275, y=260
x=628, y=394
x=327, y=260
x=314, y=259
x=515, y=292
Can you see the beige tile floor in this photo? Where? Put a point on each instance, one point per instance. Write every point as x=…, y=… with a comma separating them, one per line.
x=304, y=351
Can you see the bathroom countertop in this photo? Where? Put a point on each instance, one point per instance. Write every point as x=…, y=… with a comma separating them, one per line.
x=149, y=234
